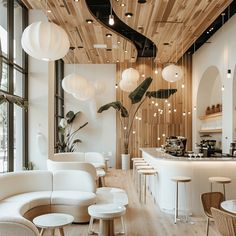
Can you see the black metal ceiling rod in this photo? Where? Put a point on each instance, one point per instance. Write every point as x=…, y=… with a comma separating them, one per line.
x=101, y=10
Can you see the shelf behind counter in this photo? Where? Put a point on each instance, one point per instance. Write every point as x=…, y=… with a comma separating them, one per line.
x=199, y=169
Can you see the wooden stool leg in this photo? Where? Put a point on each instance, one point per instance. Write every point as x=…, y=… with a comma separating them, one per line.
x=176, y=202
x=207, y=226
x=140, y=187
x=90, y=228
x=61, y=230
x=42, y=232
x=145, y=182
x=224, y=191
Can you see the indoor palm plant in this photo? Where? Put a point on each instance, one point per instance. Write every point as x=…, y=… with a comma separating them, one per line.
x=137, y=98
x=67, y=138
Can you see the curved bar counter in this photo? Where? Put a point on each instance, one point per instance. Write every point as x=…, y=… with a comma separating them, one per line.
x=199, y=169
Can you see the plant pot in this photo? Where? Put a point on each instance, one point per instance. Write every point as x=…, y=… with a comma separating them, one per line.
x=125, y=161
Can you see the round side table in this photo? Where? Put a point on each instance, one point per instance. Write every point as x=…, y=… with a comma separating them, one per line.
x=106, y=213
x=53, y=221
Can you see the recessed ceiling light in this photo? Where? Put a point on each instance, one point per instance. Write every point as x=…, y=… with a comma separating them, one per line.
x=142, y=1
x=100, y=46
x=126, y=51
x=117, y=60
x=128, y=14
x=122, y=4
x=89, y=21
x=108, y=35
x=108, y=61
x=118, y=42
x=49, y=11
x=76, y=0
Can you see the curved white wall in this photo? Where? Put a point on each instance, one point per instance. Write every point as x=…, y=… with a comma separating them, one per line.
x=218, y=53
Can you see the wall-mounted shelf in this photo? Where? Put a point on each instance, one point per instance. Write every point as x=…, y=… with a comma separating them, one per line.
x=210, y=131
x=211, y=116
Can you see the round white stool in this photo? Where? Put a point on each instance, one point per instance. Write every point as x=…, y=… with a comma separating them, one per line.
x=144, y=173
x=106, y=213
x=179, y=179
x=220, y=180
x=135, y=170
x=53, y=221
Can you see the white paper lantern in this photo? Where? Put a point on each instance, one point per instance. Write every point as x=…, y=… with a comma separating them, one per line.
x=45, y=41
x=127, y=86
x=172, y=73
x=86, y=93
x=130, y=74
x=99, y=87
x=74, y=83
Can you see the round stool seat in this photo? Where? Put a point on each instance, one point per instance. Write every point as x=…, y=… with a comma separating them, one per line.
x=137, y=159
x=182, y=179
x=141, y=164
x=144, y=168
x=147, y=172
x=106, y=211
x=222, y=180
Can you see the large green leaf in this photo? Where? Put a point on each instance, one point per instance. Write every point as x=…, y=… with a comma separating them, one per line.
x=117, y=106
x=70, y=116
x=137, y=95
x=161, y=93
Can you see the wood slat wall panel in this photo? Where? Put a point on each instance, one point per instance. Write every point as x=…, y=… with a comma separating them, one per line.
x=150, y=128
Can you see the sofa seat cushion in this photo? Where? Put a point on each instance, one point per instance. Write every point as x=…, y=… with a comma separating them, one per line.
x=33, y=198
x=11, y=209
x=73, y=198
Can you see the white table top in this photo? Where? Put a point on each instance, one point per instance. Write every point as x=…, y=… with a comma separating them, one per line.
x=106, y=210
x=53, y=220
x=229, y=205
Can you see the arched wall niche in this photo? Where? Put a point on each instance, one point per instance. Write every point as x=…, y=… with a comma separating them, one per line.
x=209, y=90
x=209, y=93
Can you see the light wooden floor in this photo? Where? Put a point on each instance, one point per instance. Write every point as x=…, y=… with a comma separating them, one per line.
x=144, y=220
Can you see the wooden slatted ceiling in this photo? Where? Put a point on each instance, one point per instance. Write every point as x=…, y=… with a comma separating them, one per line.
x=177, y=22
x=72, y=17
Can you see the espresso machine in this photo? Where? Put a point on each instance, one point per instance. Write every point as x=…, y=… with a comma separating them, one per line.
x=208, y=148
x=175, y=145
x=232, y=149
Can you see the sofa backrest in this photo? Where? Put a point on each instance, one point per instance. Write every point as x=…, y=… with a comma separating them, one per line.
x=73, y=180
x=12, y=226
x=13, y=183
x=66, y=165
x=69, y=156
x=94, y=157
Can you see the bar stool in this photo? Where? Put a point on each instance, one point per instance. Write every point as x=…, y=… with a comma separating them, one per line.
x=144, y=173
x=139, y=163
x=177, y=180
x=220, y=180
x=138, y=176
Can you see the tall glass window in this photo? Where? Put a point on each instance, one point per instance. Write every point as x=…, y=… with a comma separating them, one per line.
x=13, y=82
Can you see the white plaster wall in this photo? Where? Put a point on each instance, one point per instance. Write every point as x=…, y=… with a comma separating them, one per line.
x=100, y=134
x=221, y=53
x=38, y=105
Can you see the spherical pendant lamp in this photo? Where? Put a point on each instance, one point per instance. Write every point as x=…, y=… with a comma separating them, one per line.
x=172, y=73
x=45, y=41
x=127, y=86
x=130, y=74
x=74, y=83
x=87, y=93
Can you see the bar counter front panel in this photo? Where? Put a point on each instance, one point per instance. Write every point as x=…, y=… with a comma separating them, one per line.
x=199, y=169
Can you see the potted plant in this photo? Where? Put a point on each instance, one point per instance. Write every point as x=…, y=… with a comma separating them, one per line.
x=67, y=141
x=137, y=98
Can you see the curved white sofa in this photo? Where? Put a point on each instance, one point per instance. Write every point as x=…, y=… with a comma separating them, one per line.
x=95, y=158
x=26, y=194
